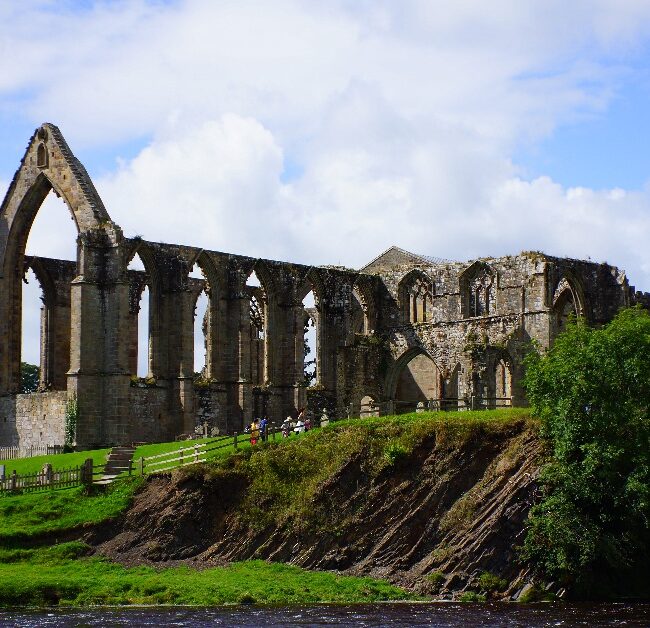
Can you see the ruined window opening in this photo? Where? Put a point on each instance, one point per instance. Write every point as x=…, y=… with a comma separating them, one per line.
x=139, y=346
x=310, y=339
x=45, y=327
x=34, y=315
x=566, y=310
x=258, y=329
x=503, y=380
x=481, y=295
x=41, y=156
x=360, y=323
x=201, y=325
x=201, y=333
x=417, y=295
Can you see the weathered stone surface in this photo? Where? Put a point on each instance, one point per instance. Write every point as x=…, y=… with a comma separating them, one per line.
x=404, y=329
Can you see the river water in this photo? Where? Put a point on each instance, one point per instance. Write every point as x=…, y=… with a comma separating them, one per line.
x=400, y=614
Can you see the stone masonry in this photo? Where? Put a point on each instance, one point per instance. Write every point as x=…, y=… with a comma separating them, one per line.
x=403, y=330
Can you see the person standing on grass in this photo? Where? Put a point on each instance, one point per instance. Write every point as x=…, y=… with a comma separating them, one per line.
x=255, y=431
x=286, y=427
x=264, y=429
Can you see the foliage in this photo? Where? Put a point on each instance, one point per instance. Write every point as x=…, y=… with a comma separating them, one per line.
x=143, y=382
x=53, y=576
x=491, y=583
x=592, y=393
x=471, y=596
x=71, y=417
x=30, y=375
x=436, y=579
x=394, y=453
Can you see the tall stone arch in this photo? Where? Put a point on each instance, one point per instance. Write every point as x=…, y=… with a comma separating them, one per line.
x=416, y=375
x=96, y=354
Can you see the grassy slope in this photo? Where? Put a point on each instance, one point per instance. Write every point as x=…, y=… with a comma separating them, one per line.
x=284, y=476
x=35, y=514
x=58, y=461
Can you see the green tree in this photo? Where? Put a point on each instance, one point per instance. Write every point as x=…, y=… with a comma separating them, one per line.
x=592, y=394
x=29, y=377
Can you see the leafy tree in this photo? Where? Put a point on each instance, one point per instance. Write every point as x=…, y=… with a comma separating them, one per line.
x=29, y=377
x=592, y=394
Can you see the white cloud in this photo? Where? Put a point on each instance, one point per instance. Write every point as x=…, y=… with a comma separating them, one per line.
x=399, y=120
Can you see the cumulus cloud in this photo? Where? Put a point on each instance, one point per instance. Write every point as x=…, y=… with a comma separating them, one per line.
x=325, y=132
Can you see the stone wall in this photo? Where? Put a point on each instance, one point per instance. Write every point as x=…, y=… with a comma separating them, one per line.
x=441, y=328
x=33, y=420
x=149, y=417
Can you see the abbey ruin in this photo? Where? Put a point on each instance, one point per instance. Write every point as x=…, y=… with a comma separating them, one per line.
x=403, y=331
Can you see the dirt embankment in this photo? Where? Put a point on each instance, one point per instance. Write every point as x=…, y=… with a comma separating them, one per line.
x=452, y=507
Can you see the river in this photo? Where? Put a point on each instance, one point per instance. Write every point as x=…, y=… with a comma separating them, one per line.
x=400, y=614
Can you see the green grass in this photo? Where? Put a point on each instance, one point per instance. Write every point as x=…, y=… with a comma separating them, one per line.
x=283, y=478
x=58, y=461
x=62, y=575
x=34, y=514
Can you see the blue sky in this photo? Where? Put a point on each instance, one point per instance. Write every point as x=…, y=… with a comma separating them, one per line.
x=327, y=132
x=605, y=149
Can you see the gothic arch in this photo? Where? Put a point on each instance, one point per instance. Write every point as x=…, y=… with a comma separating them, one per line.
x=478, y=288
x=365, y=294
x=415, y=293
x=48, y=164
x=568, y=300
x=399, y=366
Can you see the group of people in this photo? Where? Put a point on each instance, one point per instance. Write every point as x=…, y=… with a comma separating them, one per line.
x=259, y=428
x=297, y=426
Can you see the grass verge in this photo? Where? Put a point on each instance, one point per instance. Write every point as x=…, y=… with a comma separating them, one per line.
x=37, y=514
x=58, y=461
x=61, y=575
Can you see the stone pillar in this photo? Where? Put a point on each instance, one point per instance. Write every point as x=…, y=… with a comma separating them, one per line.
x=99, y=375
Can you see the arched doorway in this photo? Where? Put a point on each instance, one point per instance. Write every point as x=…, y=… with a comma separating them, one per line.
x=418, y=380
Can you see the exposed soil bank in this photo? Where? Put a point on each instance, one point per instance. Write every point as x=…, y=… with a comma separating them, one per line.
x=453, y=503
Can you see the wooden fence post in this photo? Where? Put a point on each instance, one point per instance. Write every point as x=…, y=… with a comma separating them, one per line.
x=196, y=453
x=234, y=441
x=141, y=465
x=86, y=472
x=48, y=474
x=130, y=466
x=14, y=480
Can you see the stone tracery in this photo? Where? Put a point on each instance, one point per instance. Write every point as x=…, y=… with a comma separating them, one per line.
x=464, y=315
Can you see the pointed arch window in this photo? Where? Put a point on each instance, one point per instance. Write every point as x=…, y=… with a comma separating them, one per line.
x=417, y=298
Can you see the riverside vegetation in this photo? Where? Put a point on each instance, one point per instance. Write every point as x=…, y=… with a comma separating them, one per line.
x=435, y=503
x=49, y=543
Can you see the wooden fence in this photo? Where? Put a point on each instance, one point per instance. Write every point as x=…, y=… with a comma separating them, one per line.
x=11, y=453
x=453, y=403
x=49, y=479
x=194, y=454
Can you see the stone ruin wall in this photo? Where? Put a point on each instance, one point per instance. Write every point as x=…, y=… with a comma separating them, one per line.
x=397, y=318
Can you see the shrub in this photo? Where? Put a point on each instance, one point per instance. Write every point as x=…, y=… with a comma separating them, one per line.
x=395, y=452
x=436, y=579
x=471, y=596
x=491, y=583
x=592, y=394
